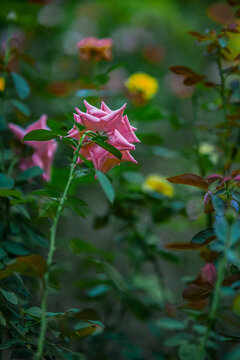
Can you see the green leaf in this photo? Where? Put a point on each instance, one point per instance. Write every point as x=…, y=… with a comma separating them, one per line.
x=233, y=354
x=14, y=193
x=236, y=195
x=235, y=232
x=222, y=229
x=177, y=340
x=108, y=147
x=115, y=276
x=3, y=123
x=6, y=182
x=23, y=108
x=188, y=352
x=15, y=248
x=9, y=343
x=171, y=324
x=34, y=312
x=218, y=204
x=133, y=177
x=106, y=185
x=30, y=173
x=80, y=246
x=202, y=236
x=98, y=290
x=57, y=127
x=40, y=135
x=2, y=320
x=9, y=296
x=21, y=85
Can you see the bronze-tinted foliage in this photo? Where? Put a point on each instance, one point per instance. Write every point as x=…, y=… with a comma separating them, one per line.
x=189, y=179
x=183, y=246
x=203, y=285
x=30, y=265
x=190, y=76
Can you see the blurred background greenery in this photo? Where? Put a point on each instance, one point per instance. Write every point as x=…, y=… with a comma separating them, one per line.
x=149, y=36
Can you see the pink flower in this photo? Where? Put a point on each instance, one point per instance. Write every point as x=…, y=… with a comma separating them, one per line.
x=91, y=48
x=43, y=151
x=110, y=123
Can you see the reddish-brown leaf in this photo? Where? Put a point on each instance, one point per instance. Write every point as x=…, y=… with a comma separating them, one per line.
x=196, y=292
x=182, y=70
x=30, y=265
x=189, y=179
x=183, y=246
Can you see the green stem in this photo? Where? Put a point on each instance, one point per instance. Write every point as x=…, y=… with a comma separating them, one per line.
x=52, y=248
x=214, y=306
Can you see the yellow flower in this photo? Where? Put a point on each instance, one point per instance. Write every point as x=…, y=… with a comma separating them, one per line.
x=2, y=83
x=142, y=83
x=158, y=184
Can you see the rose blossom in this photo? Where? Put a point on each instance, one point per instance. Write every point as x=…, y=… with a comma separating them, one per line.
x=110, y=123
x=91, y=48
x=43, y=151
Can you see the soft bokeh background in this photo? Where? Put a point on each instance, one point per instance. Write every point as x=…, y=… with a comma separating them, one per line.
x=149, y=36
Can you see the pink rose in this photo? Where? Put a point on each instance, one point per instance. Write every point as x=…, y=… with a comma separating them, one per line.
x=43, y=151
x=112, y=124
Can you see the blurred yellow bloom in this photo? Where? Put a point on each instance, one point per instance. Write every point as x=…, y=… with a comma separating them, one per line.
x=142, y=83
x=159, y=184
x=2, y=83
x=233, y=44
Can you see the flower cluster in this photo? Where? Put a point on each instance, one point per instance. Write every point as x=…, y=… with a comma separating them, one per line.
x=91, y=48
x=114, y=126
x=43, y=151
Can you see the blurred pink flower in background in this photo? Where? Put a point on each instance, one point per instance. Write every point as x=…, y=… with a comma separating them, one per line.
x=91, y=48
x=106, y=122
x=43, y=151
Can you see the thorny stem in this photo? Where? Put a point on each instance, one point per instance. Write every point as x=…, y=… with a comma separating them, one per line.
x=52, y=248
